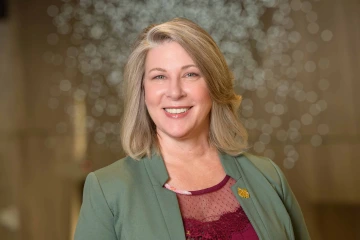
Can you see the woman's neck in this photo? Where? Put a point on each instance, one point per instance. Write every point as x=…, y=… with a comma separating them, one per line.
x=176, y=151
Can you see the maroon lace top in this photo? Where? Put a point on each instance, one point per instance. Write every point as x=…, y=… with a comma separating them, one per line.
x=214, y=213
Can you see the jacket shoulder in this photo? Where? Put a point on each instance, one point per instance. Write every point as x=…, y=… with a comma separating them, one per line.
x=122, y=168
x=122, y=174
x=268, y=168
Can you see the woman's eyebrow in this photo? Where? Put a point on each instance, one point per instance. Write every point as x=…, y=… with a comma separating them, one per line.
x=157, y=69
x=163, y=70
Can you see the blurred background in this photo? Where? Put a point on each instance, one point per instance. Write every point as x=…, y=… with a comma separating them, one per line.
x=295, y=63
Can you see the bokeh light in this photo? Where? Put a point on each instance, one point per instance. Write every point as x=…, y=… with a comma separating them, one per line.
x=265, y=57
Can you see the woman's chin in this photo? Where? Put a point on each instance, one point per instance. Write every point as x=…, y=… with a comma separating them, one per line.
x=177, y=135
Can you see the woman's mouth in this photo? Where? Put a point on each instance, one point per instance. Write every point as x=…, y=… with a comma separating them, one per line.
x=178, y=112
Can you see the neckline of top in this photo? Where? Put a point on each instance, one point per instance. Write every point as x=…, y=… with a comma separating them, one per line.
x=201, y=191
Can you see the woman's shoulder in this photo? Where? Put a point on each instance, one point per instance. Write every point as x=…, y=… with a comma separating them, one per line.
x=122, y=170
x=266, y=166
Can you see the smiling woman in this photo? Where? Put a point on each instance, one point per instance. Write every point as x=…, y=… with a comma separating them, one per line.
x=187, y=175
x=140, y=138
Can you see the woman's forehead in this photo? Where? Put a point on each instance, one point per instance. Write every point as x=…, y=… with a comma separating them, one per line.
x=168, y=55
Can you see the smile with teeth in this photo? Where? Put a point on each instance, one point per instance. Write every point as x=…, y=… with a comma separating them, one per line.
x=176, y=110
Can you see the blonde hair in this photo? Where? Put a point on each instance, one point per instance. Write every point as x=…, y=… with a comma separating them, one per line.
x=138, y=133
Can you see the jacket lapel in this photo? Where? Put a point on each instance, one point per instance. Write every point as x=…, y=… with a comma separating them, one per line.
x=167, y=200
x=240, y=189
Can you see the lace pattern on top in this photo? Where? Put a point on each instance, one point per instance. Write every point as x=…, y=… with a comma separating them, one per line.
x=214, y=213
x=229, y=226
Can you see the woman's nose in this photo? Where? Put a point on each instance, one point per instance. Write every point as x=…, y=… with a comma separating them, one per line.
x=175, y=89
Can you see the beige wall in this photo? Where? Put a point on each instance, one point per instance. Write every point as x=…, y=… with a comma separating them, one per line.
x=9, y=147
x=29, y=179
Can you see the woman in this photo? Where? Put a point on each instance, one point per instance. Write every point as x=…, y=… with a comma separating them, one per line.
x=186, y=175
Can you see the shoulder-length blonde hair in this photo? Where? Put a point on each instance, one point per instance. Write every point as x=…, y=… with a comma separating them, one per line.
x=138, y=133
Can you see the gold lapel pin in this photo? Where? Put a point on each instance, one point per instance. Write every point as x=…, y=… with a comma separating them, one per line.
x=243, y=193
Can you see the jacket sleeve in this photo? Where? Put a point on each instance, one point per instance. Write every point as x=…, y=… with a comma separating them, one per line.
x=96, y=220
x=293, y=208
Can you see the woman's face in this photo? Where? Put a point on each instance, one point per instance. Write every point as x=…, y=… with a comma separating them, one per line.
x=176, y=94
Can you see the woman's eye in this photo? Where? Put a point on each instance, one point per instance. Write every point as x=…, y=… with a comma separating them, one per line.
x=159, y=77
x=192, y=75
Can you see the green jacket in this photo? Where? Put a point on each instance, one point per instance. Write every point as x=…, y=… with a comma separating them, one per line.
x=127, y=201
